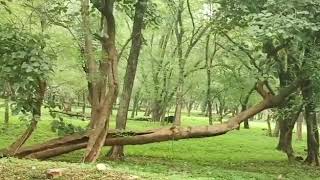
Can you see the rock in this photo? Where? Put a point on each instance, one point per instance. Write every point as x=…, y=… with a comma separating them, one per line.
x=102, y=167
x=54, y=173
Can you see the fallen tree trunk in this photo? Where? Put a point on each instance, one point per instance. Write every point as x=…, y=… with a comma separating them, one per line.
x=71, y=114
x=74, y=142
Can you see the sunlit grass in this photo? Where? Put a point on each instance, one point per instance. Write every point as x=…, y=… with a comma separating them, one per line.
x=244, y=154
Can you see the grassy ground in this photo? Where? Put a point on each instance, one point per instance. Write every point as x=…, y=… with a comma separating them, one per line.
x=244, y=154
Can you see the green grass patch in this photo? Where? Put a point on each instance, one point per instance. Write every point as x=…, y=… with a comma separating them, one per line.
x=244, y=154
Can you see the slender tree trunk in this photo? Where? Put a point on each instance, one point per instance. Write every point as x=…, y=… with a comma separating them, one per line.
x=311, y=122
x=246, y=122
x=135, y=104
x=190, y=105
x=244, y=106
x=269, y=126
x=178, y=110
x=116, y=152
x=299, y=127
x=36, y=114
x=276, y=130
x=6, y=112
x=210, y=112
x=84, y=104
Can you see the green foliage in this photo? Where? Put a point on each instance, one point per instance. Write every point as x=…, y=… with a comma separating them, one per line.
x=25, y=62
x=62, y=129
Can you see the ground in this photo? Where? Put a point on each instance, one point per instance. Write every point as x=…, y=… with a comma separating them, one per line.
x=244, y=154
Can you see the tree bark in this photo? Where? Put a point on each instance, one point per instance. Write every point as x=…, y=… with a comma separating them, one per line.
x=6, y=111
x=311, y=122
x=276, y=130
x=244, y=104
x=84, y=104
x=135, y=107
x=190, y=105
x=269, y=126
x=286, y=125
x=116, y=152
x=103, y=90
x=299, y=127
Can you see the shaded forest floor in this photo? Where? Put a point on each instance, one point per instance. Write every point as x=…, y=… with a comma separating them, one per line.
x=244, y=154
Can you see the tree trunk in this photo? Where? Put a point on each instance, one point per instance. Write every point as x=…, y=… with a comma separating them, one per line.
x=210, y=112
x=116, y=152
x=311, y=122
x=286, y=125
x=84, y=105
x=147, y=111
x=246, y=122
x=178, y=110
x=299, y=127
x=190, y=104
x=36, y=114
x=244, y=106
x=276, y=130
x=269, y=126
x=6, y=111
x=135, y=104
x=103, y=91
x=77, y=141
x=156, y=111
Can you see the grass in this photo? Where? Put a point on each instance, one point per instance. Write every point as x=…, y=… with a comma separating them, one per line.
x=244, y=154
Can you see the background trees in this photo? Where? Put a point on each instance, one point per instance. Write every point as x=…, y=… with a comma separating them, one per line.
x=219, y=56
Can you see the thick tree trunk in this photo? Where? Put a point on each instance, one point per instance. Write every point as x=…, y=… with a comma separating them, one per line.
x=103, y=91
x=286, y=125
x=116, y=152
x=77, y=141
x=311, y=122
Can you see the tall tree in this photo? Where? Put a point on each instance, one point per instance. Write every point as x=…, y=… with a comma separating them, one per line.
x=138, y=23
x=102, y=76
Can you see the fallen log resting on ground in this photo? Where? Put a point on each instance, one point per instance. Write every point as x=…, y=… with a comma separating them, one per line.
x=71, y=114
x=74, y=142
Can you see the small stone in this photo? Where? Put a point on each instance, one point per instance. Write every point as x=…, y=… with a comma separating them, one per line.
x=54, y=173
x=33, y=168
x=102, y=167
